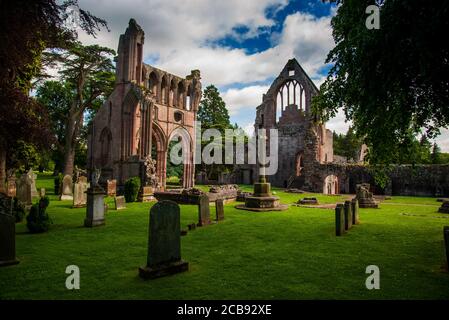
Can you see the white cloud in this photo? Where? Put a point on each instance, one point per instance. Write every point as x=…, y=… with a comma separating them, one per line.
x=247, y=97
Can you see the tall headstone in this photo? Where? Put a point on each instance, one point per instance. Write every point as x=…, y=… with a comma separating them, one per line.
x=219, y=210
x=67, y=186
x=7, y=232
x=79, y=192
x=339, y=220
x=203, y=210
x=24, y=193
x=111, y=188
x=446, y=244
x=95, y=206
x=32, y=178
x=348, y=215
x=164, y=242
x=355, y=211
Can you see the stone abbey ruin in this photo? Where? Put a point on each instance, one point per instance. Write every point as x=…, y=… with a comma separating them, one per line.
x=150, y=107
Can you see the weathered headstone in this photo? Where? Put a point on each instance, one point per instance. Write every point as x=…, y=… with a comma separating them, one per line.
x=203, y=210
x=67, y=186
x=312, y=201
x=339, y=220
x=365, y=197
x=42, y=192
x=7, y=232
x=355, y=211
x=119, y=202
x=11, y=187
x=146, y=194
x=79, y=192
x=446, y=244
x=32, y=177
x=95, y=207
x=348, y=215
x=219, y=210
x=111, y=188
x=164, y=242
x=24, y=190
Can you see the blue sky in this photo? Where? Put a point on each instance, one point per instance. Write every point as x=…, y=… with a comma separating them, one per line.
x=239, y=46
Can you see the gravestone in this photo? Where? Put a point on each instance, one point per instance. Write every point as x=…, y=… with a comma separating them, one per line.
x=32, y=177
x=95, y=207
x=339, y=220
x=42, y=192
x=111, y=188
x=219, y=210
x=7, y=232
x=119, y=202
x=164, y=242
x=67, y=186
x=355, y=211
x=365, y=197
x=79, y=192
x=203, y=210
x=11, y=190
x=308, y=201
x=24, y=190
x=444, y=207
x=446, y=244
x=348, y=215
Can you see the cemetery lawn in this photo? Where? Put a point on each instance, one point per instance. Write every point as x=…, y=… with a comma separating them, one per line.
x=275, y=255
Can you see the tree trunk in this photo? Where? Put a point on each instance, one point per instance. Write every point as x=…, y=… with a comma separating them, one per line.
x=2, y=169
x=69, y=146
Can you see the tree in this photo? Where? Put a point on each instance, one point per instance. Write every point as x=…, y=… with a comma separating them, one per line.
x=90, y=72
x=436, y=154
x=56, y=96
x=213, y=115
x=393, y=81
x=28, y=27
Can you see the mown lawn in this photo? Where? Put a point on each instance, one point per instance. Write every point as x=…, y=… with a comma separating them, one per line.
x=278, y=255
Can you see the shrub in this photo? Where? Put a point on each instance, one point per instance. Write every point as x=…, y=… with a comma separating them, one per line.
x=38, y=220
x=18, y=210
x=132, y=186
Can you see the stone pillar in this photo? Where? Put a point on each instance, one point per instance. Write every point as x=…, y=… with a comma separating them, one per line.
x=339, y=220
x=203, y=211
x=355, y=211
x=219, y=210
x=7, y=232
x=95, y=207
x=348, y=215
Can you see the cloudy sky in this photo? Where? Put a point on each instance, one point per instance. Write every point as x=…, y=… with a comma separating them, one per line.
x=240, y=46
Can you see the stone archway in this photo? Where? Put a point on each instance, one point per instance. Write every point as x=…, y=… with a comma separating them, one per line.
x=186, y=145
x=331, y=185
x=159, y=145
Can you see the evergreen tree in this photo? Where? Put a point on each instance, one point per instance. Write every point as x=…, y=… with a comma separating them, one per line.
x=213, y=115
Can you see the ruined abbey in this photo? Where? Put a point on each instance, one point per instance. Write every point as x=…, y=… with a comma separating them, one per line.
x=150, y=107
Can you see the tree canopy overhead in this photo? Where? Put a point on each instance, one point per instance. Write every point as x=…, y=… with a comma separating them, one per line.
x=392, y=82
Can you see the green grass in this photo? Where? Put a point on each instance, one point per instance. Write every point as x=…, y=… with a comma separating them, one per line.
x=277, y=255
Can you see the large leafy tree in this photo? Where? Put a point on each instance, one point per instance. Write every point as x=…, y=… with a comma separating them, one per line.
x=90, y=72
x=392, y=82
x=213, y=114
x=28, y=28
